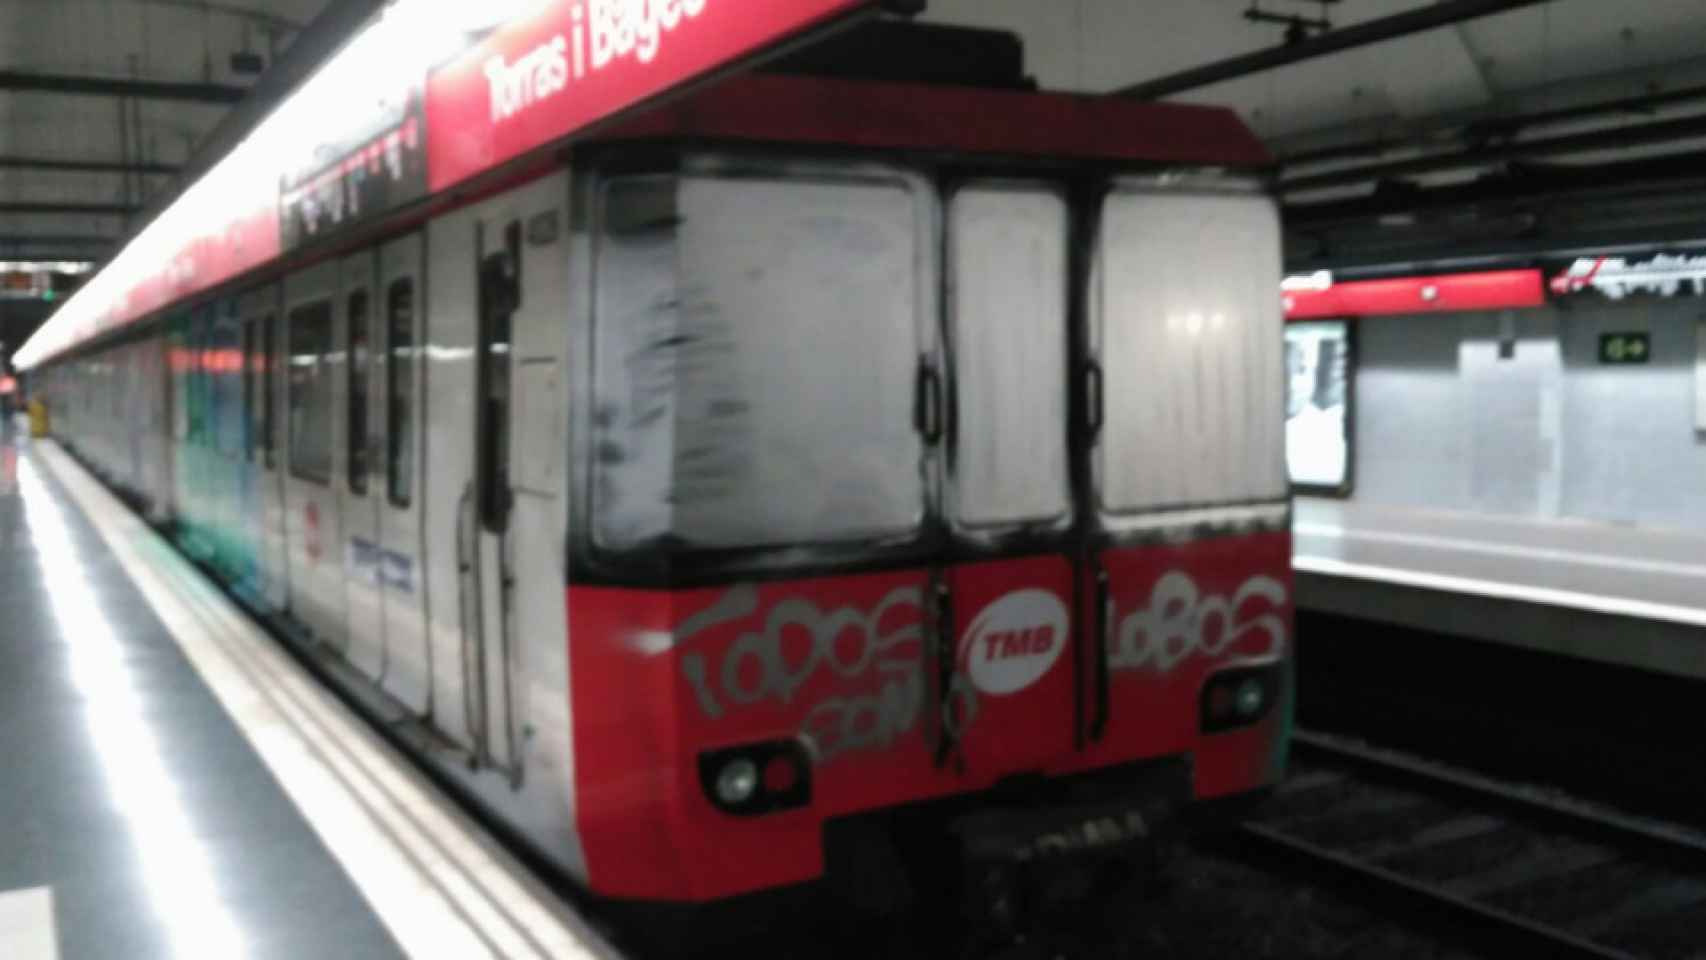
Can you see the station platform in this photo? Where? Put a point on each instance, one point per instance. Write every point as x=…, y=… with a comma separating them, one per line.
x=178, y=786
x=1630, y=596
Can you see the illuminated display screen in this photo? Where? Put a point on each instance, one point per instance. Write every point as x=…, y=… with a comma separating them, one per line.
x=1318, y=405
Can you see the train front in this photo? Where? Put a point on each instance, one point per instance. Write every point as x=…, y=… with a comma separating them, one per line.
x=922, y=507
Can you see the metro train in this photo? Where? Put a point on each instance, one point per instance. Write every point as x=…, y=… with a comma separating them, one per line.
x=790, y=459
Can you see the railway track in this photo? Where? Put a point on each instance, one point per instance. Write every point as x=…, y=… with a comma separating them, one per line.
x=1506, y=869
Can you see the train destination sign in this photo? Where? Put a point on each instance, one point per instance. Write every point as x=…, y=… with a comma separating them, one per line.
x=572, y=63
x=1622, y=348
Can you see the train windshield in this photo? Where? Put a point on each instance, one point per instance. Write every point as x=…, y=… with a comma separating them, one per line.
x=1008, y=282
x=756, y=350
x=1186, y=324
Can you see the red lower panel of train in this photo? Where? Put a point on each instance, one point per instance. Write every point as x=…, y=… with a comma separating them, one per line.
x=838, y=696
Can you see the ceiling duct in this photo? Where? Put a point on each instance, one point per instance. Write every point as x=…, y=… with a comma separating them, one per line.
x=1419, y=20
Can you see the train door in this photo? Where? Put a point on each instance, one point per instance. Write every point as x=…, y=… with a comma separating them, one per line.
x=1188, y=369
x=313, y=521
x=260, y=310
x=520, y=449
x=1009, y=482
x=129, y=414
x=155, y=427
x=190, y=334
x=499, y=318
x=397, y=476
x=362, y=550
x=233, y=553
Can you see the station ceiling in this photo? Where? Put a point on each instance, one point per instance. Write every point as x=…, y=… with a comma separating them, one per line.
x=103, y=101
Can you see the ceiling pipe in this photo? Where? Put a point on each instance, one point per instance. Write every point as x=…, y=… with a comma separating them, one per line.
x=215, y=93
x=49, y=246
x=1419, y=20
x=1495, y=127
x=89, y=209
x=261, y=17
x=1659, y=174
x=1477, y=252
x=1663, y=131
x=83, y=166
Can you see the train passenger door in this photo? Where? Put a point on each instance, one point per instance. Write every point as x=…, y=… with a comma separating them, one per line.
x=1187, y=370
x=233, y=554
x=1015, y=670
x=516, y=502
x=362, y=549
x=187, y=332
x=395, y=466
x=155, y=426
x=313, y=522
x=260, y=310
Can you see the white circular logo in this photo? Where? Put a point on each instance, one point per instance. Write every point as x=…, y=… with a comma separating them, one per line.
x=1014, y=641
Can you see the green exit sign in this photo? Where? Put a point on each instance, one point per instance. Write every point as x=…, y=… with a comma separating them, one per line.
x=1624, y=348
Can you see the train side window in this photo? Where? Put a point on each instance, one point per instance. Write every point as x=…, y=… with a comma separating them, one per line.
x=400, y=394
x=269, y=364
x=310, y=400
x=250, y=362
x=356, y=437
x=500, y=297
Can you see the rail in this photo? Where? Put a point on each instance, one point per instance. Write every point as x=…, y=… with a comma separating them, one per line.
x=1512, y=868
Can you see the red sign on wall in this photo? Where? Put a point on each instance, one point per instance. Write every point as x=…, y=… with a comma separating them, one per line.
x=1489, y=290
x=574, y=63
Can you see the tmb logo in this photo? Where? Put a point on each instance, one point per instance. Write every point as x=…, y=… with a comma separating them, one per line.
x=1014, y=641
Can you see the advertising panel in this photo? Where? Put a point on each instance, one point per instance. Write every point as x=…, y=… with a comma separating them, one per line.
x=367, y=168
x=1318, y=405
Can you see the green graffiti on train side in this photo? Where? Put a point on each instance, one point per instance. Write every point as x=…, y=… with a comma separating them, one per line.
x=219, y=511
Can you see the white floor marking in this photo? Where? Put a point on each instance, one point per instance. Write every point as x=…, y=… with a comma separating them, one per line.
x=1461, y=545
x=435, y=879
x=27, y=931
x=1471, y=586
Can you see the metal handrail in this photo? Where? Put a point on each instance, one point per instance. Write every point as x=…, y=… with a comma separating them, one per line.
x=474, y=719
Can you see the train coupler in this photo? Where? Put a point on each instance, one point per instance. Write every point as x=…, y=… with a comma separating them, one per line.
x=1023, y=868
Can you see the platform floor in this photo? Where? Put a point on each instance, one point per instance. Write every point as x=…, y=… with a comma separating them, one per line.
x=1622, y=594
x=176, y=786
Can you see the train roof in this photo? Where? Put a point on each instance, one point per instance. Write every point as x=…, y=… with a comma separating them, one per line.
x=358, y=149
x=861, y=114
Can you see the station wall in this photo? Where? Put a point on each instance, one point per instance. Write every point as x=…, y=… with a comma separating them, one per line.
x=1514, y=414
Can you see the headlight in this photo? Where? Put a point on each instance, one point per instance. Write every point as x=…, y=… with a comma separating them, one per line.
x=1238, y=697
x=757, y=778
x=1252, y=697
x=737, y=782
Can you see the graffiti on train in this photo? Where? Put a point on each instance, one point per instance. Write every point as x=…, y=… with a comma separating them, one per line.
x=885, y=641
x=1180, y=622
x=375, y=566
